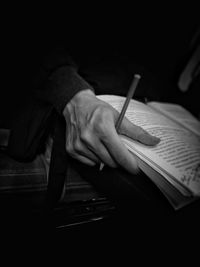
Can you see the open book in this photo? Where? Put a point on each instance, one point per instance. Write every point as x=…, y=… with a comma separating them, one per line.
x=174, y=164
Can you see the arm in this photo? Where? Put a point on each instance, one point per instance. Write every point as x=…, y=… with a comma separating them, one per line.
x=58, y=79
x=91, y=136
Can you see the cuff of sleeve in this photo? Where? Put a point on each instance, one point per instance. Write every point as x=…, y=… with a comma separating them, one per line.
x=62, y=85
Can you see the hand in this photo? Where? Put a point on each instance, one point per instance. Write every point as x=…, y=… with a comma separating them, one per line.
x=91, y=136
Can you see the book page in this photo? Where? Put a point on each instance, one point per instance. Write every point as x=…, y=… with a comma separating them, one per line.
x=177, y=155
x=178, y=113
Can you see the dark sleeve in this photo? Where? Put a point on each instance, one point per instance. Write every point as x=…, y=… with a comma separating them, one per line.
x=58, y=80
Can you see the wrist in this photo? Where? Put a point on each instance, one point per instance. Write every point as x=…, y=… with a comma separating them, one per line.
x=83, y=93
x=78, y=98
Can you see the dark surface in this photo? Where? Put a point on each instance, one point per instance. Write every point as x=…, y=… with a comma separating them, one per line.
x=137, y=208
x=161, y=45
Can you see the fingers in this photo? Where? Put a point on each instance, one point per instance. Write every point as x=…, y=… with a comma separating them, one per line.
x=119, y=152
x=109, y=150
x=138, y=133
x=79, y=151
x=90, y=151
x=98, y=148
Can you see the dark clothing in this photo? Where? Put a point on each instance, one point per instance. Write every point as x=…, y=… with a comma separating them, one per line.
x=58, y=80
x=47, y=73
x=42, y=79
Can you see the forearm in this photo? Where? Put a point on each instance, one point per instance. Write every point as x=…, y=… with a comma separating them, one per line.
x=61, y=86
x=58, y=80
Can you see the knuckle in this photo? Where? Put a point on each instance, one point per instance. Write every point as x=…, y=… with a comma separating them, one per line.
x=102, y=112
x=77, y=146
x=104, y=120
x=105, y=114
x=85, y=136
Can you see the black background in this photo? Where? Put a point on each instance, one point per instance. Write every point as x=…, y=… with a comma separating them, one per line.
x=157, y=37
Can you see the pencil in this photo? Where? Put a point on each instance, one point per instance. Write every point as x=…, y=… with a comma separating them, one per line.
x=129, y=96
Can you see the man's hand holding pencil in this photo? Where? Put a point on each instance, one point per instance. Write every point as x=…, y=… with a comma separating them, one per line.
x=92, y=128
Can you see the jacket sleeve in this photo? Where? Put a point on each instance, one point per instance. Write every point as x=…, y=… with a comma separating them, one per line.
x=58, y=80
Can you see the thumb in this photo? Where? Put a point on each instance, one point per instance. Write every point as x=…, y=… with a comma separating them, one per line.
x=137, y=133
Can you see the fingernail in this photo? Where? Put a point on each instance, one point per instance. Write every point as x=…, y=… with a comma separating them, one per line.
x=156, y=139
